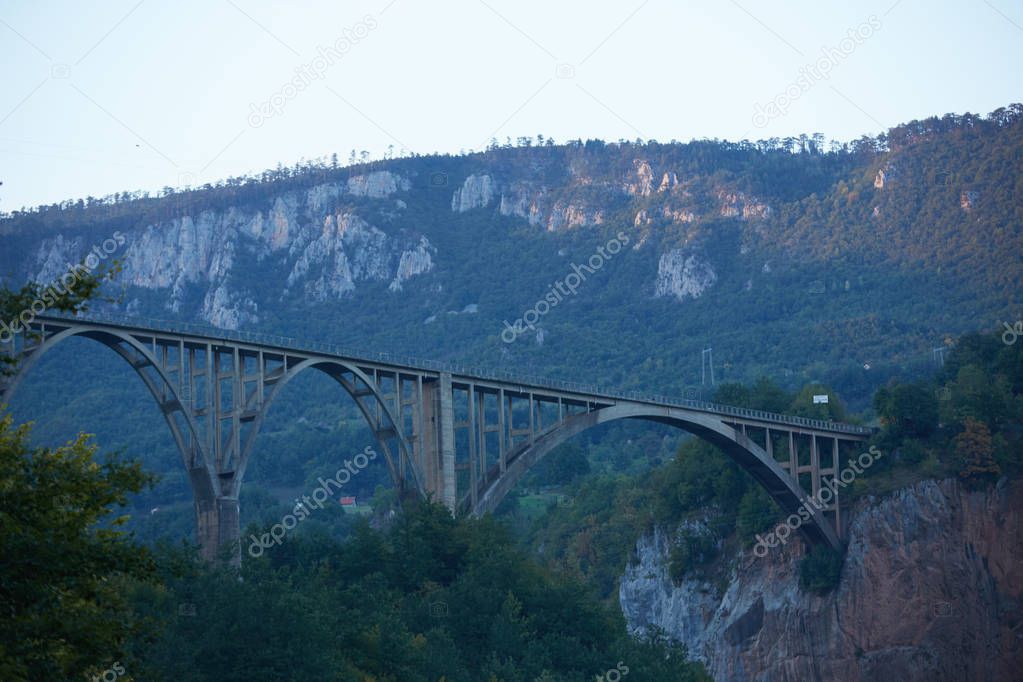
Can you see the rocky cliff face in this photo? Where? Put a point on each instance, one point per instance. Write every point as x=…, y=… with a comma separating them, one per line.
x=683, y=275
x=704, y=220
x=931, y=589
x=476, y=192
x=231, y=264
x=315, y=236
x=323, y=242
x=527, y=201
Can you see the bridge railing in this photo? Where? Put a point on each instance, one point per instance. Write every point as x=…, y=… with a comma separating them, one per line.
x=470, y=371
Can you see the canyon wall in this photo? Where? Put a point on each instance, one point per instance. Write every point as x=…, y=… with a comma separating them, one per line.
x=931, y=589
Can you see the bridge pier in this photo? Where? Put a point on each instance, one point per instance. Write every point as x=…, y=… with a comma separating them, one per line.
x=217, y=524
x=438, y=444
x=217, y=529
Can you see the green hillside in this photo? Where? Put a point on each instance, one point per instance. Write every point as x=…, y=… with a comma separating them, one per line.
x=846, y=264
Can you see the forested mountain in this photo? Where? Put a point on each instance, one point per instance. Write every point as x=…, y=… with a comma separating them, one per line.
x=897, y=241
x=842, y=263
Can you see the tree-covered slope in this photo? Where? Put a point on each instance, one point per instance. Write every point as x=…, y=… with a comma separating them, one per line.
x=846, y=265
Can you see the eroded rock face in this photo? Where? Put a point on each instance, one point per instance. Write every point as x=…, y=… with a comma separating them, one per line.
x=884, y=176
x=931, y=589
x=565, y=215
x=476, y=192
x=679, y=215
x=347, y=249
x=413, y=261
x=738, y=205
x=523, y=201
x=683, y=275
x=325, y=248
x=378, y=184
x=642, y=182
x=223, y=309
x=56, y=256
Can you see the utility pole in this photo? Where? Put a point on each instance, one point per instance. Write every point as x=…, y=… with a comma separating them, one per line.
x=707, y=353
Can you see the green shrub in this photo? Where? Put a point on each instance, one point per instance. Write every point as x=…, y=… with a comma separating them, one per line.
x=912, y=452
x=690, y=553
x=820, y=570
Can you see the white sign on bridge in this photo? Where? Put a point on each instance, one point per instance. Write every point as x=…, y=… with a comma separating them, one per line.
x=819, y=399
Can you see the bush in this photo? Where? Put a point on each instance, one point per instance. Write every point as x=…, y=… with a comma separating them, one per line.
x=689, y=553
x=757, y=512
x=820, y=570
x=912, y=452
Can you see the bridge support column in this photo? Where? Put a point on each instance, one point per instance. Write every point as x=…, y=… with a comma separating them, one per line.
x=439, y=440
x=447, y=442
x=217, y=525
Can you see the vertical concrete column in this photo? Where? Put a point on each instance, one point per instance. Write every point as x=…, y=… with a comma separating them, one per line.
x=502, y=447
x=439, y=440
x=815, y=466
x=475, y=473
x=835, y=468
x=793, y=459
x=430, y=439
x=217, y=527
x=447, y=441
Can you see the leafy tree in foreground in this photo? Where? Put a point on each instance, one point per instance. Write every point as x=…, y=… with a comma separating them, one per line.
x=62, y=568
x=61, y=572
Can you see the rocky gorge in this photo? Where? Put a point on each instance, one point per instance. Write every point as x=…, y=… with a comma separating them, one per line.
x=931, y=589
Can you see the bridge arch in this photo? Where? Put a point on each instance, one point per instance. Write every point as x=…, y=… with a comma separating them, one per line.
x=140, y=359
x=733, y=442
x=216, y=484
x=376, y=412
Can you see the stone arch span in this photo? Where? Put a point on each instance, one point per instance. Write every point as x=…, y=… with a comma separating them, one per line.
x=733, y=442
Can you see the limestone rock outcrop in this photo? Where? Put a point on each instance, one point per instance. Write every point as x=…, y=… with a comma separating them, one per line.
x=931, y=590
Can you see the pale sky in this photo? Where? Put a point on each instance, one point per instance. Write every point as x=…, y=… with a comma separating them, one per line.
x=121, y=95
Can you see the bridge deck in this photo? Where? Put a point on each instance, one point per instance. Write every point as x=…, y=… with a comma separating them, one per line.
x=510, y=381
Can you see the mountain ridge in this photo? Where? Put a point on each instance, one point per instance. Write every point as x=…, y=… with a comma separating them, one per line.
x=846, y=266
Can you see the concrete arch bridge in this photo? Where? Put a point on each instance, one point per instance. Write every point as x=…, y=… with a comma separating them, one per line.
x=464, y=435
